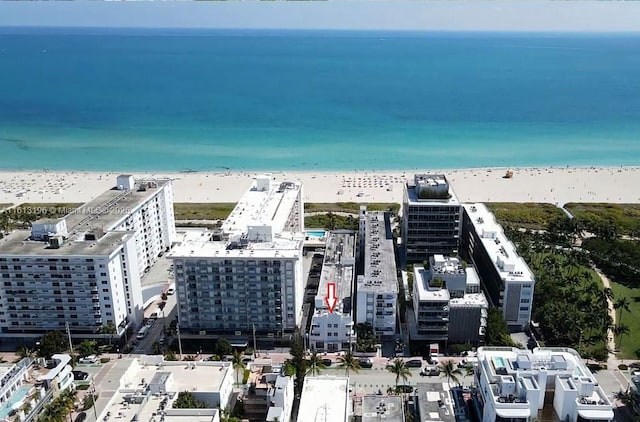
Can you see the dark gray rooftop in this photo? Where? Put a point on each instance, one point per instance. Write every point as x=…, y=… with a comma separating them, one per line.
x=339, y=263
x=386, y=408
x=380, y=273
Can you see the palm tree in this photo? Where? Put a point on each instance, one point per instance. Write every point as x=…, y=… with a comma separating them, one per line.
x=238, y=364
x=349, y=363
x=450, y=371
x=399, y=368
x=315, y=364
x=621, y=304
x=289, y=369
x=109, y=328
x=620, y=330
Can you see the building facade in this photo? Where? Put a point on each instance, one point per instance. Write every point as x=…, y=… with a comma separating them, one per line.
x=332, y=330
x=546, y=384
x=84, y=270
x=431, y=218
x=248, y=274
x=377, y=287
x=506, y=279
x=448, y=306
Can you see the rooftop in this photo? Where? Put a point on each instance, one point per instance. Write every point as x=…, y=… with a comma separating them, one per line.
x=338, y=267
x=18, y=244
x=137, y=382
x=113, y=206
x=430, y=188
x=427, y=292
x=387, y=408
x=199, y=243
x=502, y=251
x=380, y=274
x=324, y=399
x=266, y=203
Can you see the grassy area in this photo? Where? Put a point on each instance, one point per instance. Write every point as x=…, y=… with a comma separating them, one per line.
x=626, y=217
x=630, y=342
x=202, y=211
x=527, y=215
x=349, y=207
x=328, y=222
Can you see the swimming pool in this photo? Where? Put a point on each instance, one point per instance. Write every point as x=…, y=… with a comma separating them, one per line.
x=498, y=362
x=14, y=401
x=316, y=233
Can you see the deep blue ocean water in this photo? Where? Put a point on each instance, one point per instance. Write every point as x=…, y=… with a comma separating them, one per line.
x=83, y=99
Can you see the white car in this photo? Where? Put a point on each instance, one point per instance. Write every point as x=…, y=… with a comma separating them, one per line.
x=89, y=359
x=171, y=291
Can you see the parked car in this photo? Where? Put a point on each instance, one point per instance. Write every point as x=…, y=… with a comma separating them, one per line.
x=89, y=359
x=467, y=362
x=150, y=322
x=365, y=363
x=429, y=371
x=405, y=388
x=79, y=375
x=171, y=291
x=414, y=363
x=327, y=362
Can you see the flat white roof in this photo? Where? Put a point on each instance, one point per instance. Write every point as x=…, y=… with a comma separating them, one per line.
x=267, y=202
x=438, y=182
x=338, y=266
x=498, y=247
x=324, y=399
x=513, y=413
x=421, y=279
x=198, y=244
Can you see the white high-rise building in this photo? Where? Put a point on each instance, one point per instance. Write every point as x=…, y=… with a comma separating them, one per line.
x=249, y=273
x=448, y=304
x=377, y=288
x=332, y=330
x=546, y=384
x=431, y=218
x=506, y=278
x=84, y=269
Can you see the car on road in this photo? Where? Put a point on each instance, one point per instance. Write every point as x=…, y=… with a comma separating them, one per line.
x=171, y=291
x=405, y=389
x=88, y=359
x=79, y=375
x=429, y=371
x=150, y=322
x=365, y=363
x=327, y=362
x=414, y=363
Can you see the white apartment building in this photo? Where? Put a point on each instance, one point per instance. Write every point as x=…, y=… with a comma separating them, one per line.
x=506, y=278
x=149, y=386
x=377, y=288
x=280, y=398
x=448, y=306
x=325, y=398
x=85, y=268
x=333, y=331
x=431, y=218
x=27, y=386
x=546, y=384
x=249, y=273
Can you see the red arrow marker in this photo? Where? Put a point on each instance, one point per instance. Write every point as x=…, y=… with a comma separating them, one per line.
x=331, y=298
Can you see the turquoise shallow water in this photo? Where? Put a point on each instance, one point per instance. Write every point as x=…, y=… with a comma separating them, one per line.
x=210, y=100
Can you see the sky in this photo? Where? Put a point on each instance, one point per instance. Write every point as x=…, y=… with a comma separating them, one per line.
x=455, y=15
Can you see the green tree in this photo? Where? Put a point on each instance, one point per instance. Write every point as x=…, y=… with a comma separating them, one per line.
x=315, y=365
x=497, y=333
x=109, y=329
x=449, y=370
x=298, y=361
x=24, y=352
x=348, y=362
x=170, y=356
x=238, y=365
x=621, y=304
x=86, y=348
x=399, y=368
x=186, y=400
x=223, y=347
x=52, y=342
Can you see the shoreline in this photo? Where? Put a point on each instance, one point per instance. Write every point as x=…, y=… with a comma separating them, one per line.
x=550, y=184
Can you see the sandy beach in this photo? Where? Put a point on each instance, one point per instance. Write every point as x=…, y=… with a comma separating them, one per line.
x=552, y=185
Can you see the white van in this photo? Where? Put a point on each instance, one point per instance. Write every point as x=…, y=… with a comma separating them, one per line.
x=142, y=332
x=468, y=362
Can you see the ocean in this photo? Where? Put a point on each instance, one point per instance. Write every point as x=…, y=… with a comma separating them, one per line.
x=182, y=100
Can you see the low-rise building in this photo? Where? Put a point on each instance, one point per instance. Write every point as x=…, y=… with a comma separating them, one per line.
x=377, y=288
x=448, y=306
x=382, y=408
x=332, y=320
x=150, y=386
x=269, y=396
x=325, y=398
x=546, y=384
x=248, y=274
x=29, y=385
x=506, y=278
